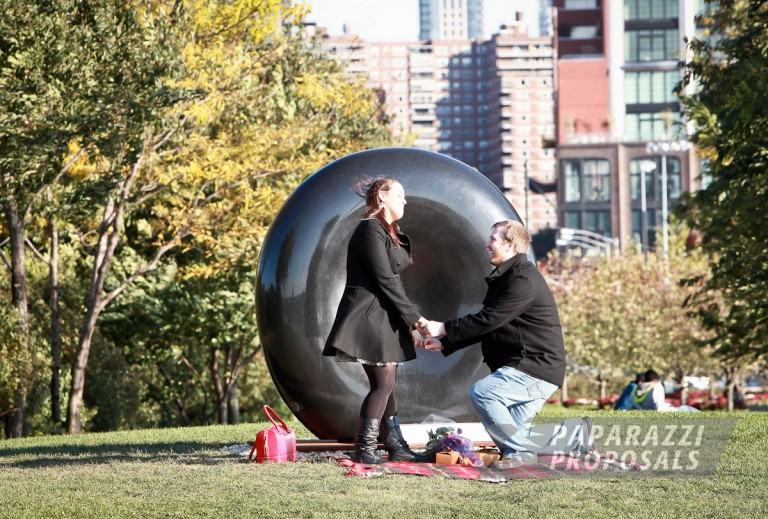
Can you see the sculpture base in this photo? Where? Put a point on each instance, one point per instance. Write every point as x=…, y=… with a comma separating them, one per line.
x=416, y=434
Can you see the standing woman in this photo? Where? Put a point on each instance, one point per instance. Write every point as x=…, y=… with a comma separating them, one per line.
x=375, y=319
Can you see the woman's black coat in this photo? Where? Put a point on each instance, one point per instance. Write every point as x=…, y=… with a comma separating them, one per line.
x=375, y=317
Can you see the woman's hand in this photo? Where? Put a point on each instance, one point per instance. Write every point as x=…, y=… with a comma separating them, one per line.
x=430, y=328
x=417, y=338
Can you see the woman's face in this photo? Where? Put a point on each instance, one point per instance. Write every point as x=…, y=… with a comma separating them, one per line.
x=393, y=201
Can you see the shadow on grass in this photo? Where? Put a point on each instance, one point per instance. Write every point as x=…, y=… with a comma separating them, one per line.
x=182, y=452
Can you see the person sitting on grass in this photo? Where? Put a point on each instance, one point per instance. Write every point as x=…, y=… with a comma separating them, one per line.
x=623, y=403
x=649, y=396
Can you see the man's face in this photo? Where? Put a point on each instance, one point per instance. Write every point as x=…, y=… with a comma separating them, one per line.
x=501, y=250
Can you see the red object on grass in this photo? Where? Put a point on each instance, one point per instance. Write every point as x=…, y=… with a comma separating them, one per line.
x=275, y=443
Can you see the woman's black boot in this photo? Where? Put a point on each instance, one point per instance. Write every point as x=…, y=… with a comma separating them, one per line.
x=394, y=442
x=366, y=441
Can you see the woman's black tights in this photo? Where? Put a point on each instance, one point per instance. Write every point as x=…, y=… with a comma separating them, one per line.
x=380, y=400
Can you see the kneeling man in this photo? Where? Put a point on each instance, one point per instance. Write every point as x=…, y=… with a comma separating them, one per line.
x=522, y=344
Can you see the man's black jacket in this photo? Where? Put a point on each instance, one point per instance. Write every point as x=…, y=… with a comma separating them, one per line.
x=518, y=325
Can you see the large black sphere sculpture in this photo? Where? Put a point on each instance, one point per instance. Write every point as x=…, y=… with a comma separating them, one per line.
x=450, y=211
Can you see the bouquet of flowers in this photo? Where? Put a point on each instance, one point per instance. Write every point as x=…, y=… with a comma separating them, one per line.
x=443, y=440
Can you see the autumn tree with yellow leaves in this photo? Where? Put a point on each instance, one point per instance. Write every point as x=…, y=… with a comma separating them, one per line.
x=217, y=112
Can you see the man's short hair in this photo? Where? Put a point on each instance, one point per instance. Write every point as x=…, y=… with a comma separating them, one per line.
x=516, y=234
x=651, y=375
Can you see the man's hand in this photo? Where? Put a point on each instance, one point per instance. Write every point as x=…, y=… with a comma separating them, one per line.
x=431, y=344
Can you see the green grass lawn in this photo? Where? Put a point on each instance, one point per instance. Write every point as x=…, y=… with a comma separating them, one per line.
x=184, y=473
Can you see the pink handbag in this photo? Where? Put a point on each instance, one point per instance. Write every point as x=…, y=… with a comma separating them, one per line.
x=275, y=443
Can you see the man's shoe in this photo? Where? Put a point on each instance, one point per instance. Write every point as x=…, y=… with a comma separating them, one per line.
x=510, y=462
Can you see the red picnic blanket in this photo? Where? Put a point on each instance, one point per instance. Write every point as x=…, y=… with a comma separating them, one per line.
x=543, y=467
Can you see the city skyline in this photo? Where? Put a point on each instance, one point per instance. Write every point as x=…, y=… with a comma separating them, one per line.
x=398, y=20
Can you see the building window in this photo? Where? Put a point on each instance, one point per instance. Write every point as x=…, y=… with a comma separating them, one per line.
x=592, y=177
x=637, y=226
x=572, y=219
x=653, y=176
x=653, y=86
x=572, y=180
x=650, y=9
x=598, y=221
x=597, y=180
x=674, y=183
x=580, y=4
x=649, y=126
x=636, y=167
x=652, y=45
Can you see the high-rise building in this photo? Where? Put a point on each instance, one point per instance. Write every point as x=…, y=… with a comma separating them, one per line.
x=450, y=19
x=545, y=18
x=618, y=118
x=488, y=103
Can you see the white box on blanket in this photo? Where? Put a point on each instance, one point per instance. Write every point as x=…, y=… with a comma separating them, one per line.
x=417, y=434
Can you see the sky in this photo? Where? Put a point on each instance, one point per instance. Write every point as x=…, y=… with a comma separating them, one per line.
x=398, y=20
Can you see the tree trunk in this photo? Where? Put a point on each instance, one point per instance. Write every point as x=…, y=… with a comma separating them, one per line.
x=15, y=422
x=731, y=383
x=712, y=392
x=681, y=374
x=75, y=406
x=233, y=404
x=221, y=393
x=729, y=396
x=603, y=385
x=109, y=233
x=109, y=236
x=53, y=270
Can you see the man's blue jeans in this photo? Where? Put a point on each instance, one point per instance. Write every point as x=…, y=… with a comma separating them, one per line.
x=506, y=401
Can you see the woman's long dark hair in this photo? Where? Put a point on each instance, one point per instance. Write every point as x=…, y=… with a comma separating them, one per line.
x=369, y=189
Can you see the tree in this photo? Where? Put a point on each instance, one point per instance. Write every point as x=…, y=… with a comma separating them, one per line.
x=183, y=127
x=274, y=110
x=56, y=92
x=266, y=111
x=43, y=107
x=626, y=314
x=198, y=333
x=729, y=109
x=15, y=361
x=139, y=61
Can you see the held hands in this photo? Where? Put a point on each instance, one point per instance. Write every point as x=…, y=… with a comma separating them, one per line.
x=430, y=328
x=416, y=337
x=417, y=331
x=425, y=332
